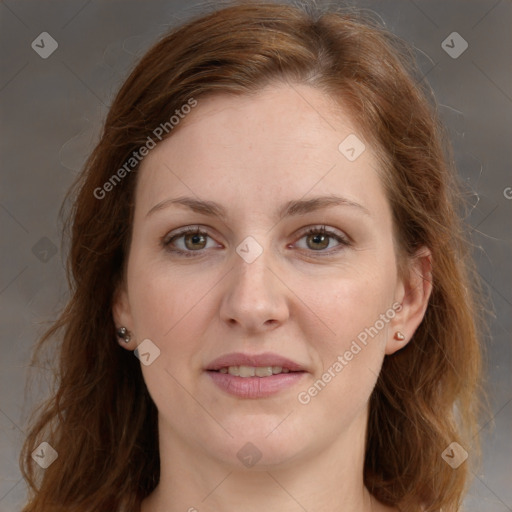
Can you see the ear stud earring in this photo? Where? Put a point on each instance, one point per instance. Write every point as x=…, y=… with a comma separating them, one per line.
x=123, y=333
x=399, y=336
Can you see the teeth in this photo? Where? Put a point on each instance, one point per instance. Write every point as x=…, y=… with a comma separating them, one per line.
x=246, y=371
x=233, y=370
x=265, y=371
x=254, y=371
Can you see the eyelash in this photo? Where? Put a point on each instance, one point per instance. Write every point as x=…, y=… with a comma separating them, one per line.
x=166, y=241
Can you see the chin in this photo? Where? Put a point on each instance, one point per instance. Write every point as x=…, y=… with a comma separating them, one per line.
x=256, y=448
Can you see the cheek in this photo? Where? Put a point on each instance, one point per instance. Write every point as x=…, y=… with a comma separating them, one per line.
x=164, y=300
x=167, y=307
x=173, y=309
x=358, y=311
x=354, y=301
x=350, y=358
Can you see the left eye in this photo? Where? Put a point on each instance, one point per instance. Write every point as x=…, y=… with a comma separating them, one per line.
x=321, y=237
x=194, y=240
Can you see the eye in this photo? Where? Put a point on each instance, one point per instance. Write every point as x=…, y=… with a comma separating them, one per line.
x=187, y=240
x=190, y=240
x=319, y=238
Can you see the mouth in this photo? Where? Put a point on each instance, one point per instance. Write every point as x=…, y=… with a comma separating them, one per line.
x=250, y=365
x=254, y=371
x=254, y=376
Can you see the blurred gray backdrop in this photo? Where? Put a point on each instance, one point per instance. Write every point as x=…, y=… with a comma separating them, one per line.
x=54, y=96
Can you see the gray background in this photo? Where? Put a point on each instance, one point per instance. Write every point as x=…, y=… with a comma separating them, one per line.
x=52, y=110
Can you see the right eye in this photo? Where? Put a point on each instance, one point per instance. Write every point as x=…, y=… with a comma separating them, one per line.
x=191, y=240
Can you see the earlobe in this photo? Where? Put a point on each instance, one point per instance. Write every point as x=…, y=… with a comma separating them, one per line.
x=124, y=334
x=121, y=313
x=413, y=293
x=399, y=336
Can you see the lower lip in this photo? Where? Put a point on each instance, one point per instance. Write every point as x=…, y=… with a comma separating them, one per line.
x=255, y=387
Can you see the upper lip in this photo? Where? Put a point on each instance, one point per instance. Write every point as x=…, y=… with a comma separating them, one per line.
x=265, y=359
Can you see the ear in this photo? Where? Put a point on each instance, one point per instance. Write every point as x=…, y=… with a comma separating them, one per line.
x=121, y=312
x=413, y=293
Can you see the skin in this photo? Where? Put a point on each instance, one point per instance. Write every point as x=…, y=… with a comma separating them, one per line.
x=251, y=155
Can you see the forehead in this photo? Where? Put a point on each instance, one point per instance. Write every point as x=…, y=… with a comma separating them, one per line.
x=301, y=117
x=283, y=141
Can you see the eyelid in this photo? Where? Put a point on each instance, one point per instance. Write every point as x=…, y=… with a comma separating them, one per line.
x=323, y=228
x=185, y=231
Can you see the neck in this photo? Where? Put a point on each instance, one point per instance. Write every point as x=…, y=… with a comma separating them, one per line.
x=328, y=479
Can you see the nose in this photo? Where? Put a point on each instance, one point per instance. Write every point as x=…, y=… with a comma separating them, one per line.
x=256, y=298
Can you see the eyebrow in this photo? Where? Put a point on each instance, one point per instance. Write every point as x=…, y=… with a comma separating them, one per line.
x=289, y=209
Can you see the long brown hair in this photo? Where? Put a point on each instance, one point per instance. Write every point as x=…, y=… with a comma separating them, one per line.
x=100, y=418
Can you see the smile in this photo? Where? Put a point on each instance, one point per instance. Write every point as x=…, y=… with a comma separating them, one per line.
x=254, y=371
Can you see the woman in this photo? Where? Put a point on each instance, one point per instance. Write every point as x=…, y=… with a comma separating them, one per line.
x=269, y=223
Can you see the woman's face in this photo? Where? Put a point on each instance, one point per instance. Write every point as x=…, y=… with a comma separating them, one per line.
x=256, y=172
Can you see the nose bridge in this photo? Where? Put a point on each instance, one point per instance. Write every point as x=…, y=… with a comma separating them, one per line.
x=254, y=297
